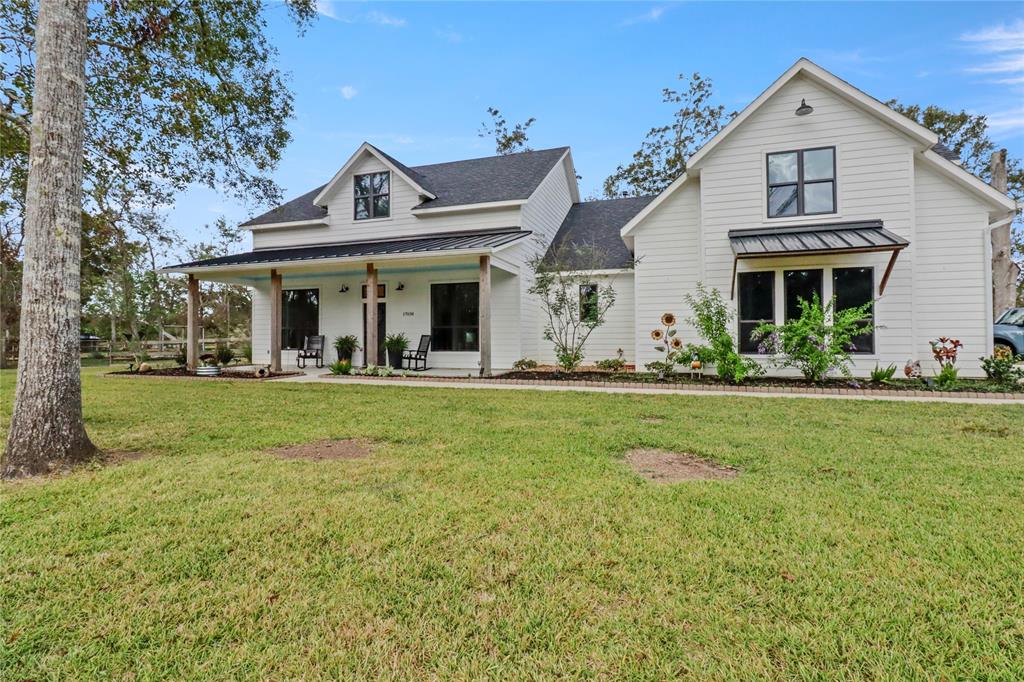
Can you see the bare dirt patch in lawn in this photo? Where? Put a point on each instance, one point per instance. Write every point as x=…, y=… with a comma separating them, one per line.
x=662, y=466
x=348, y=448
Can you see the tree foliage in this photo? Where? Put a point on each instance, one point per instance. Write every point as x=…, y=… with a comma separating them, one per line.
x=506, y=140
x=663, y=154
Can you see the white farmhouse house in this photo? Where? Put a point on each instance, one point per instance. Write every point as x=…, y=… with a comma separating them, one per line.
x=815, y=187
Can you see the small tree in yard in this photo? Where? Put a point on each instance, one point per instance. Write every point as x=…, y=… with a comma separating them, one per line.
x=573, y=302
x=819, y=341
x=711, y=318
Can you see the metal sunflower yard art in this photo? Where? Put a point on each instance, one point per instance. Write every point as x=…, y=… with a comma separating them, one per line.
x=668, y=343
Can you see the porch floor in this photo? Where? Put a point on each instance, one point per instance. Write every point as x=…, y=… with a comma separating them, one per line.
x=311, y=373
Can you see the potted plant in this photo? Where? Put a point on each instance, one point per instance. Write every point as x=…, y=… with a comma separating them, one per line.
x=396, y=344
x=346, y=346
x=209, y=368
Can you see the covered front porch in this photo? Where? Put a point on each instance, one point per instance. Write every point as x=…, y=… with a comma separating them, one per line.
x=466, y=300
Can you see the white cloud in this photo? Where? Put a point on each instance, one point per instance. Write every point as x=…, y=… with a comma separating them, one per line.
x=1004, y=49
x=650, y=16
x=348, y=92
x=999, y=38
x=1012, y=120
x=331, y=10
x=449, y=34
x=384, y=19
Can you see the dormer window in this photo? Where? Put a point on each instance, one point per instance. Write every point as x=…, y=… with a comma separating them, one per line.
x=802, y=182
x=373, y=195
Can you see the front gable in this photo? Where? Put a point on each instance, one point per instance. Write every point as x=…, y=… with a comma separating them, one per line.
x=365, y=152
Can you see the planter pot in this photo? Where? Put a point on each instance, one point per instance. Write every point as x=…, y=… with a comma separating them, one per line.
x=208, y=371
x=345, y=356
x=396, y=359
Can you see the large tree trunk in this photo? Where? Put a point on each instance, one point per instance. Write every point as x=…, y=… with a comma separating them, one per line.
x=47, y=431
x=1004, y=271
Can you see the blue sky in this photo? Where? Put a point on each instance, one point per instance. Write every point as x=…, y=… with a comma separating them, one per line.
x=415, y=79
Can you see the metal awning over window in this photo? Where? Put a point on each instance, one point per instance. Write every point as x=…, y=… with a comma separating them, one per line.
x=866, y=236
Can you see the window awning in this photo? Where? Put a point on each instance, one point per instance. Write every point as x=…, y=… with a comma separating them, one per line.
x=432, y=244
x=865, y=236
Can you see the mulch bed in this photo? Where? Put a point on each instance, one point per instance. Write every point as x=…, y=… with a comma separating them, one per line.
x=683, y=378
x=662, y=466
x=319, y=451
x=182, y=372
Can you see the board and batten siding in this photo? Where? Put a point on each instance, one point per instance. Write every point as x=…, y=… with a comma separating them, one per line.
x=342, y=226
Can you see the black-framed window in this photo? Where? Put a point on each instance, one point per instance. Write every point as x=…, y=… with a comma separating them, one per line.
x=852, y=288
x=372, y=195
x=801, y=284
x=756, y=305
x=588, y=302
x=802, y=182
x=455, y=316
x=300, y=316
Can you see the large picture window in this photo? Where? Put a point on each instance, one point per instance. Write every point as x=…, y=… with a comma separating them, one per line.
x=300, y=316
x=802, y=182
x=756, y=306
x=454, y=316
x=852, y=288
x=373, y=195
x=801, y=284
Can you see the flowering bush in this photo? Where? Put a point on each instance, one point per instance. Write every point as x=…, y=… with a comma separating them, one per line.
x=945, y=350
x=818, y=342
x=1002, y=367
x=712, y=317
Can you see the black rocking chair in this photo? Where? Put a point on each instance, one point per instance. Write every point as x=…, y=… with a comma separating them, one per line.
x=312, y=349
x=417, y=359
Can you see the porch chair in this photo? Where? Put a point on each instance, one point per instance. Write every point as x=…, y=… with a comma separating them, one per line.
x=417, y=359
x=312, y=349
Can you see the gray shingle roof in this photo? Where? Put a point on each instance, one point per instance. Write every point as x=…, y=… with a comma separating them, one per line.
x=299, y=208
x=595, y=225
x=864, y=235
x=455, y=183
x=429, y=243
x=945, y=152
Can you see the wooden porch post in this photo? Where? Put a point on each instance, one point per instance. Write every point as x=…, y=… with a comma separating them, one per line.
x=485, y=316
x=370, y=351
x=275, y=321
x=192, y=326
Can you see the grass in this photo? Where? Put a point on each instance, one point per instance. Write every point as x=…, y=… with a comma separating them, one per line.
x=498, y=534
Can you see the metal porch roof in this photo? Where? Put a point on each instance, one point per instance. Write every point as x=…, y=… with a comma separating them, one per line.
x=852, y=237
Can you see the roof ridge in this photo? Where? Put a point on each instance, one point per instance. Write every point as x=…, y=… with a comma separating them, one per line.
x=492, y=156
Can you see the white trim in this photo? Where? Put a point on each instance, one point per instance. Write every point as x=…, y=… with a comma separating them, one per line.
x=314, y=222
x=459, y=208
x=321, y=198
x=970, y=181
x=819, y=75
x=628, y=228
x=990, y=343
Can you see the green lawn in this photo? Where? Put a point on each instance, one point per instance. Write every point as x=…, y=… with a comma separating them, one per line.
x=498, y=534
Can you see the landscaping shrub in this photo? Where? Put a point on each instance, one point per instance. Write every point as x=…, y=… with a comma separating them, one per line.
x=524, y=364
x=247, y=351
x=611, y=364
x=224, y=354
x=340, y=367
x=883, y=376
x=712, y=318
x=818, y=342
x=181, y=356
x=1001, y=367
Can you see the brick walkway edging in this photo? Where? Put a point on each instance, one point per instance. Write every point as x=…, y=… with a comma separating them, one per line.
x=687, y=387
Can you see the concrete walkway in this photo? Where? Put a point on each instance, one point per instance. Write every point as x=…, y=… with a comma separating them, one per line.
x=327, y=378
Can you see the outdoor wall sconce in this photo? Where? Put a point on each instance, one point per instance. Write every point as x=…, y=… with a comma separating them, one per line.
x=804, y=108
x=343, y=289
x=400, y=287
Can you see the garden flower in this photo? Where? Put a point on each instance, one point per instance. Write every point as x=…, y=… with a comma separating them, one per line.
x=657, y=335
x=668, y=319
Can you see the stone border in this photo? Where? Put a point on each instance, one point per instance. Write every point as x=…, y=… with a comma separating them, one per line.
x=692, y=387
